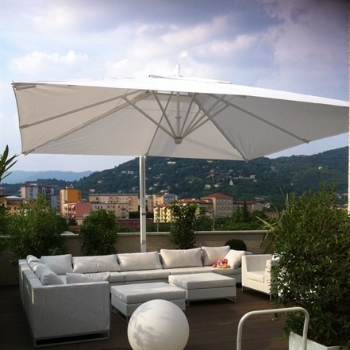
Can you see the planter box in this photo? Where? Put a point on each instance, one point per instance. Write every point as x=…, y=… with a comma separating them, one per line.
x=296, y=342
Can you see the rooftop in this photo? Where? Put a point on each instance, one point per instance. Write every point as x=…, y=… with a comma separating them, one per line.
x=213, y=324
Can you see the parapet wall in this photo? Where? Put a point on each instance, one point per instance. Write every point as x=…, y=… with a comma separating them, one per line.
x=130, y=243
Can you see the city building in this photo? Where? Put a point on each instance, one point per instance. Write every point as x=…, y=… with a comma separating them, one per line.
x=76, y=211
x=222, y=204
x=69, y=195
x=251, y=205
x=12, y=203
x=32, y=191
x=120, y=204
x=155, y=200
x=162, y=213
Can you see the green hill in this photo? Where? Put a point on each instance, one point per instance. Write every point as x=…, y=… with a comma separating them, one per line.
x=193, y=178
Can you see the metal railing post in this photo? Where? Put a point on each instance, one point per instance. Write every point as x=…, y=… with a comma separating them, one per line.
x=272, y=311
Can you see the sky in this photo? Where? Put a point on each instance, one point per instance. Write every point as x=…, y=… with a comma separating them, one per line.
x=292, y=45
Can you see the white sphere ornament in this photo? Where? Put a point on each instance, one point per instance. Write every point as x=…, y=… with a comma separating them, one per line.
x=158, y=325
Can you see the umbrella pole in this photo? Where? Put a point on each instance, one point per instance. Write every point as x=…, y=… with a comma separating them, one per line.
x=142, y=203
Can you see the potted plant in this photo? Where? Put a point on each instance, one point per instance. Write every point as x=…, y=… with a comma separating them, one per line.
x=311, y=237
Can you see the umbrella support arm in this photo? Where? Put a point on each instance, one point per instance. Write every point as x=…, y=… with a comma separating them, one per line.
x=142, y=163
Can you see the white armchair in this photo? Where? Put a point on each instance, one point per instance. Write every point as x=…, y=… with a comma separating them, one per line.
x=256, y=272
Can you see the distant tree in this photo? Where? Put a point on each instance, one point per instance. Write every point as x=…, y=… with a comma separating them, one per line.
x=98, y=233
x=36, y=230
x=186, y=222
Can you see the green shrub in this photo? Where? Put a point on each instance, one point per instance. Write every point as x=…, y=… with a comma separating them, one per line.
x=36, y=230
x=187, y=218
x=98, y=233
x=236, y=244
x=311, y=236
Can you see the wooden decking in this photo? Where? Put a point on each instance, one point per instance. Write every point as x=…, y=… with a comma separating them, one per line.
x=213, y=325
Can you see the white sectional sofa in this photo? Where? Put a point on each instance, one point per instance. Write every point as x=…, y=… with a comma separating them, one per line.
x=66, y=298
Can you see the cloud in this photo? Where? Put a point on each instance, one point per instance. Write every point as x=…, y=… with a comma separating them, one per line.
x=41, y=63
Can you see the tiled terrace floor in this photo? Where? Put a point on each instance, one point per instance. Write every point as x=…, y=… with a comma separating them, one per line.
x=213, y=325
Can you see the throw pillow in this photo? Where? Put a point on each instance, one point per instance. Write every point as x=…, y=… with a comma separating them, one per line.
x=98, y=263
x=87, y=277
x=32, y=258
x=234, y=258
x=181, y=257
x=60, y=264
x=46, y=276
x=212, y=254
x=139, y=261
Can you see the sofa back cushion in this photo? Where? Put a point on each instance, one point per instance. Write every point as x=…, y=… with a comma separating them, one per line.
x=172, y=258
x=139, y=261
x=46, y=276
x=212, y=254
x=59, y=264
x=86, y=277
x=234, y=258
x=98, y=263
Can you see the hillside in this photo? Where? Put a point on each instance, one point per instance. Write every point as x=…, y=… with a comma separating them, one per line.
x=193, y=178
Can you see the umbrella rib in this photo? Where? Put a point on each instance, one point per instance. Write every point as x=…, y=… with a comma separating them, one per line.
x=83, y=125
x=187, y=114
x=61, y=115
x=195, y=124
x=148, y=117
x=164, y=114
x=268, y=123
x=212, y=119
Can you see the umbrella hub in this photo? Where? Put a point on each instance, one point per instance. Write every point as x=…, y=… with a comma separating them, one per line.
x=178, y=140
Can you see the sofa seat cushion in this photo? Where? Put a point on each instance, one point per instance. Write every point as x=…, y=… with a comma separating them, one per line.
x=234, y=258
x=257, y=276
x=139, y=261
x=223, y=272
x=187, y=270
x=212, y=254
x=145, y=275
x=201, y=281
x=60, y=264
x=86, y=277
x=116, y=277
x=172, y=258
x=98, y=263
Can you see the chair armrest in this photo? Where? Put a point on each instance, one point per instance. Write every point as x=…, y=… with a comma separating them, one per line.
x=269, y=264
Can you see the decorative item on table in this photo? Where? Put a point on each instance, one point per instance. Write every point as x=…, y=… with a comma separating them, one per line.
x=221, y=263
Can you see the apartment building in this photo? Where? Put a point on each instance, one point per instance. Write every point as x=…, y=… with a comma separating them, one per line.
x=162, y=213
x=77, y=211
x=12, y=203
x=120, y=204
x=222, y=204
x=155, y=200
x=251, y=205
x=68, y=195
x=32, y=191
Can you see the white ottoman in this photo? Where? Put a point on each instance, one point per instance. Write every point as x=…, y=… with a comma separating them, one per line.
x=127, y=298
x=205, y=286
